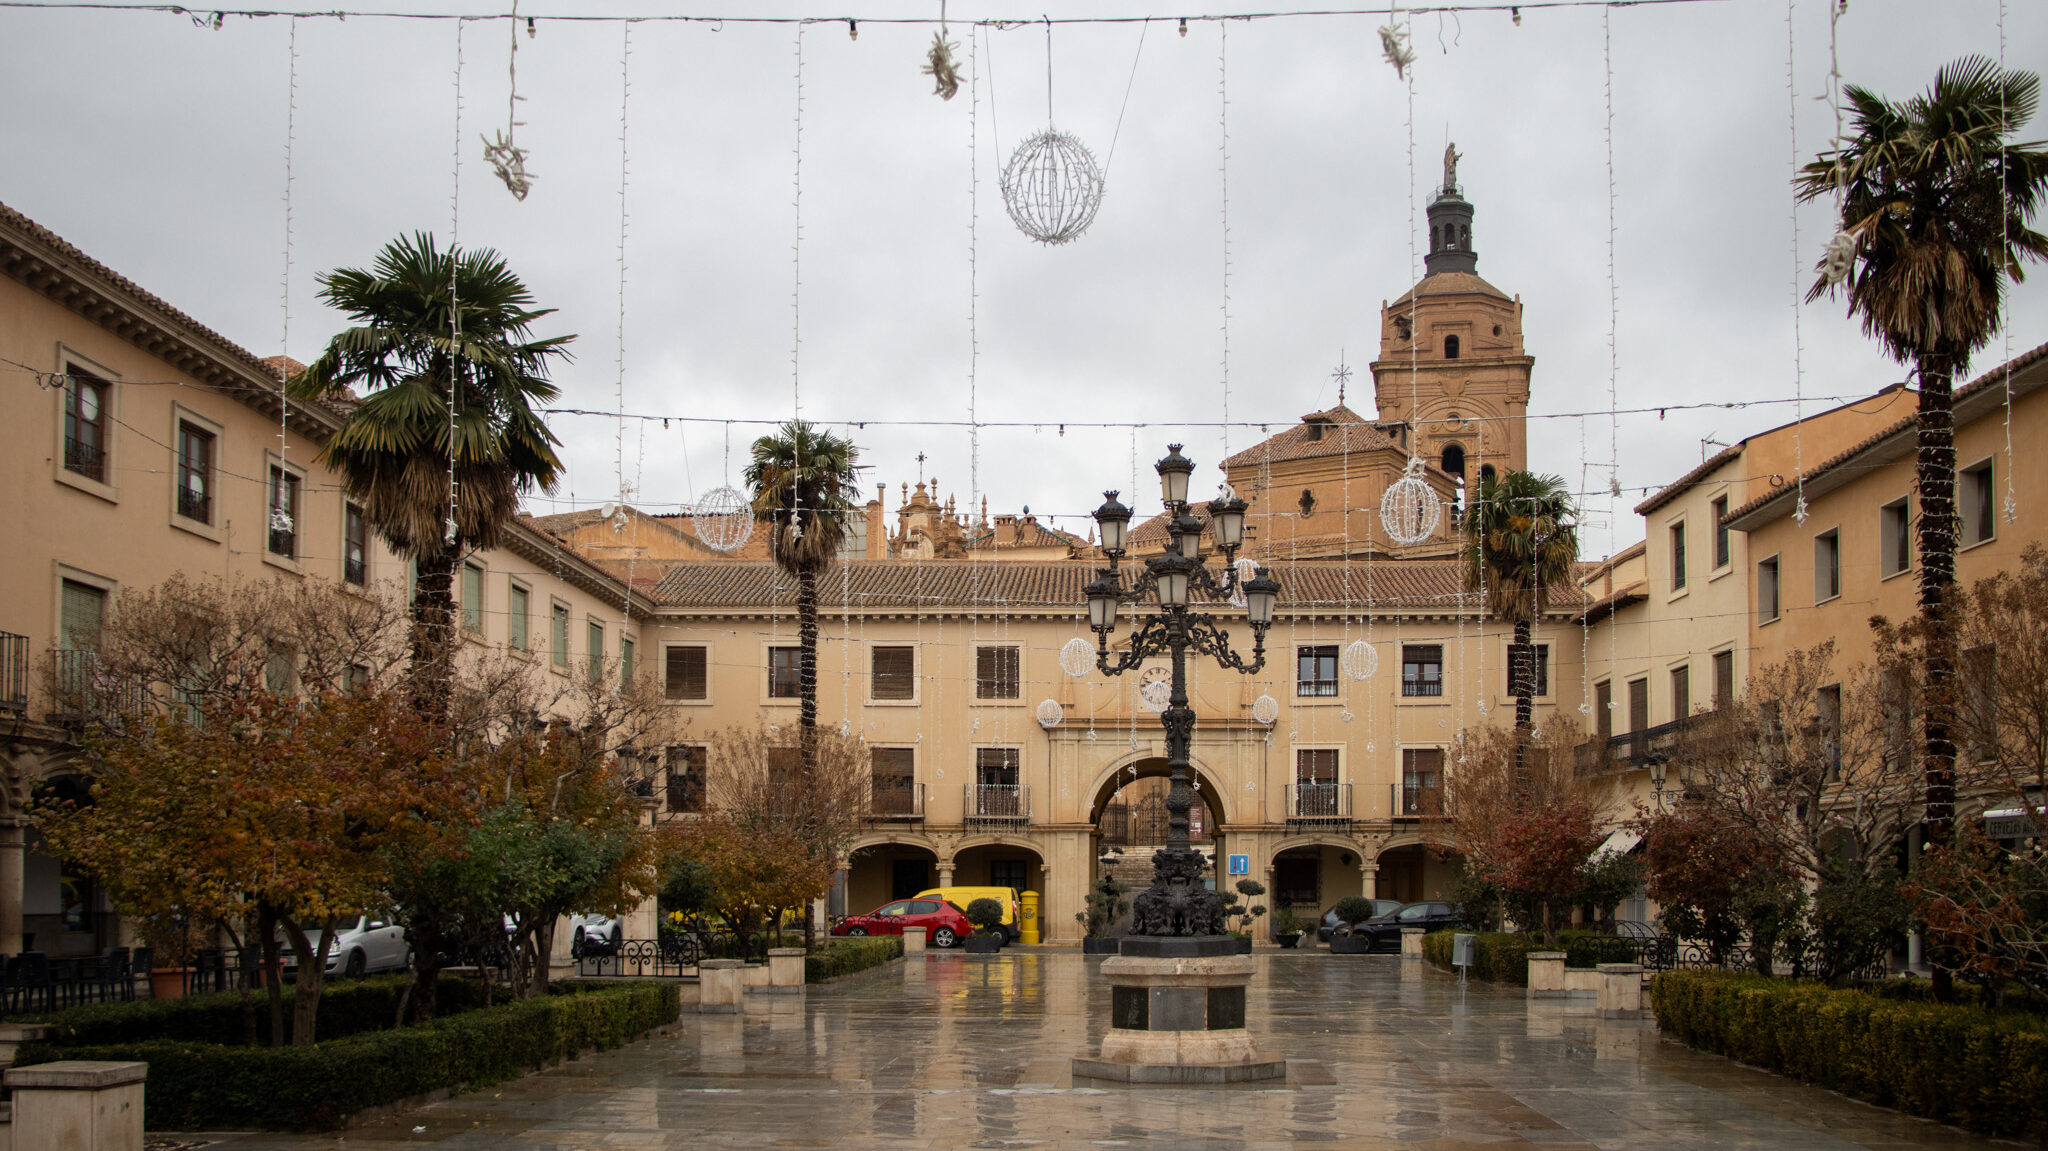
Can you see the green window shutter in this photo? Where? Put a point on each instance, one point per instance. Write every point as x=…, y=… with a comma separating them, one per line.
x=625, y=662
x=472, y=598
x=560, y=639
x=515, y=626
x=84, y=606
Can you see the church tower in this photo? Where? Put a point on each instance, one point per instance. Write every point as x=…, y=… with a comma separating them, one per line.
x=1451, y=364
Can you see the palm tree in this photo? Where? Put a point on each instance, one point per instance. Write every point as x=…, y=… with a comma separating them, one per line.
x=1934, y=206
x=803, y=483
x=1521, y=540
x=431, y=325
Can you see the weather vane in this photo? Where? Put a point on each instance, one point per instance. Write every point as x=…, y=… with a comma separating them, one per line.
x=1342, y=375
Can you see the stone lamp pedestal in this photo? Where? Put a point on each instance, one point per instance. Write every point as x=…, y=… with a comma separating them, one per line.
x=1177, y=1015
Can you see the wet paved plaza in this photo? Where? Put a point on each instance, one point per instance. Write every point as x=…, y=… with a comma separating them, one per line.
x=970, y=1051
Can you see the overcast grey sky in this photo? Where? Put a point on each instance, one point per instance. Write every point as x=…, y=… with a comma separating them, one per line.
x=159, y=147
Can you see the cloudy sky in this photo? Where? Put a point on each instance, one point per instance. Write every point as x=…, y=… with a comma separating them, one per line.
x=159, y=146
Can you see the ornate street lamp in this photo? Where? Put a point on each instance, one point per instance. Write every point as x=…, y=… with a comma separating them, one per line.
x=1177, y=904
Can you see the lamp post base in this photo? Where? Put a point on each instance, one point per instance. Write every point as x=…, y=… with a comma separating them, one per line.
x=1179, y=1018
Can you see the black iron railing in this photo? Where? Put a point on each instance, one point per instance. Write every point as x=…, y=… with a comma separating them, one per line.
x=1629, y=750
x=195, y=505
x=1318, y=802
x=86, y=690
x=897, y=799
x=998, y=803
x=86, y=458
x=13, y=672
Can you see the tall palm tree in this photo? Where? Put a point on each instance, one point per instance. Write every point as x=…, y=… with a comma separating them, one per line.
x=1935, y=205
x=803, y=480
x=1521, y=540
x=430, y=325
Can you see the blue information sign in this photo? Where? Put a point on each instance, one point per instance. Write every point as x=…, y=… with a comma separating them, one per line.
x=1240, y=865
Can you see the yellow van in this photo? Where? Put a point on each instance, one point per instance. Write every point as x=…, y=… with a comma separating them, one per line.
x=960, y=897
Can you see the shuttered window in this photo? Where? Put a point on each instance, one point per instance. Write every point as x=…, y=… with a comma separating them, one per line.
x=1315, y=765
x=996, y=673
x=515, y=618
x=685, y=678
x=895, y=673
x=83, y=608
x=472, y=598
x=784, y=672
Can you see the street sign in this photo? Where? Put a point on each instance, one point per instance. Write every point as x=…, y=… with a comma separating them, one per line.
x=1240, y=865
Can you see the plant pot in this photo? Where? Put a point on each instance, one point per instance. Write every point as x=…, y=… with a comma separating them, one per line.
x=1100, y=945
x=1350, y=944
x=982, y=944
x=1244, y=945
x=1288, y=941
x=168, y=982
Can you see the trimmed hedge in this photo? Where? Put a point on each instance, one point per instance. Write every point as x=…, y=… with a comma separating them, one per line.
x=1501, y=957
x=346, y=1008
x=212, y=1087
x=1975, y=1068
x=846, y=956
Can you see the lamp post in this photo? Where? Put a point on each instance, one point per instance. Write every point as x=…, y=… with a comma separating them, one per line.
x=1176, y=904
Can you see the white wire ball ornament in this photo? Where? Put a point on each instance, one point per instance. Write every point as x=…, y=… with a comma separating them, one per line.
x=1410, y=509
x=1247, y=570
x=724, y=520
x=1266, y=709
x=1155, y=696
x=1361, y=660
x=1077, y=658
x=1050, y=713
x=1052, y=187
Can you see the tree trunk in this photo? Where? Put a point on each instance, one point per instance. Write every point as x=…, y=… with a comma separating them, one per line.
x=426, y=938
x=312, y=975
x=543, y=954
x=807, y=670
x=1937, y=481
x=433, y=634
x=1525, y=708
x=273, y=971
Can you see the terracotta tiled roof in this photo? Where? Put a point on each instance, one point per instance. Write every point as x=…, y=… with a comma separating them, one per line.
x=1056, y=587
x=1342, y=431
x=1029, y=535
x=1675, y=488
x=1451, y=283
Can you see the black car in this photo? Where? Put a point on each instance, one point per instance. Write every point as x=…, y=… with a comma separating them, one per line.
x=1331, y=922
x=1384, y=931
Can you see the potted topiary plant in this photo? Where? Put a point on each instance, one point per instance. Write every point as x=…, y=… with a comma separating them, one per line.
x=1352, y=910
x=1287, y=926
x=987, y=917
x=1237, y=906
x=1106, y=908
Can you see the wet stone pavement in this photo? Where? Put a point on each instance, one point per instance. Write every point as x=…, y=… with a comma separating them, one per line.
x=971, y=1051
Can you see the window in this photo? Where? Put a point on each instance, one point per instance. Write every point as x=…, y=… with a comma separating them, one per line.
x=515, y=618
x=85, y=425
x=1681, y=691
x=685, y=789
x=853, y=543
x=82, y=609
x=355, y=678
x=1638, y=704
x=1975, y=500
x=1422, y=781
x=1979, y=702
x=1724, y=679
x=1895, y=695
x=997, y=673
x=284, y=513
x=594, y=631
x=784, y=763
x=996, y=766
x=472, y=598
x=1450, y=347
x=195, y=472
x=625, y=663
x=278, y=673
x=1895, y=537
x=1722, y=553
x=1603, y=709
x=1677, y=556
x=1767, y=590
x=1827, y=705
x=1005, y=873
x=784, y=672
x=1316, y=670
x=558, y=637
x=894, y=673
x=1827, y=566
x=895, y=780
x=355, y=553
x=684, y=673
x=1520, y=668
x=1315, y=780
x=1454, y=461
x=1422, y=669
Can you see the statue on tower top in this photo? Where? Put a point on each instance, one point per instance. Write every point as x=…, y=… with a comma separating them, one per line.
x=1451, y=158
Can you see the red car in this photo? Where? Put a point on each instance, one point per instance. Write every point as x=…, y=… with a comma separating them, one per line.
x=944, y=924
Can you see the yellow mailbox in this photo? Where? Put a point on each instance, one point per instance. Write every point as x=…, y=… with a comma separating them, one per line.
x=1030, y=916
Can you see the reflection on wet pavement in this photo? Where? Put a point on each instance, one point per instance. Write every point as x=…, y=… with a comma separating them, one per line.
x=960, y=1051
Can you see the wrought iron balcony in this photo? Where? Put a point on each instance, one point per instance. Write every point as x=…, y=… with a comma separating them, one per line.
x=195, y=505
x=86, y=690
x=1319, y=803
x=896, y=800
x=1630, y=750
x=1416, y=802
x=13, y=672
x=86, y=458
x=997, y=803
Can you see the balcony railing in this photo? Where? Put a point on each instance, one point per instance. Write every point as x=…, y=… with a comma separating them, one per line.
x=1630, y=750
x=86, y=458
x=997, y=803
x=86, y=690
x=13, y=672
x=1416, y=802
x=195, y=505
x=1319, y=803
x=897, y=800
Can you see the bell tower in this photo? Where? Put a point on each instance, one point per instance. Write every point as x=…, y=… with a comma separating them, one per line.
x=1451, y=363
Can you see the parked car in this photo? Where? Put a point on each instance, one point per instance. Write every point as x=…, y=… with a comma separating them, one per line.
x=1384, y=931
x=1013, y=905
x=594, y=935
x=1331, y=922
x=943, y=922
x=363, y=945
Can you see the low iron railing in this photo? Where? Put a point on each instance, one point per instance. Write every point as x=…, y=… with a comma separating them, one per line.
x=85, y=690
x=997, y=803
x=893, y=801
x=1318, y=802
x=13, y=672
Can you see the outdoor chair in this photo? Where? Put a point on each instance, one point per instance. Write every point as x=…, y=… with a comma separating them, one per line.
x=115, y=980
x=139, y=963
x=28, y=984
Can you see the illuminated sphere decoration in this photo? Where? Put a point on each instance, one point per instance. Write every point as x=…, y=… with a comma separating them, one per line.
x=1266, y=709
x=1361, y=660
x=724, y=520
x=1077, y=658
x=1050, y=713
x=1052, y=187
x=1410, y=510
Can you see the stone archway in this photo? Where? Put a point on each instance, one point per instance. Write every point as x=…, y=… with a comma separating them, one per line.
x=1413, y=868
x=882, y=868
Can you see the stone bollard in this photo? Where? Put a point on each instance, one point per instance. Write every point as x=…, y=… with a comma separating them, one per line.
x=786, y=970
x=1546, y=975
x=77, y=1105
x=1621, y=990
x=913, y=940
x=718, y=982
x=1411, y=942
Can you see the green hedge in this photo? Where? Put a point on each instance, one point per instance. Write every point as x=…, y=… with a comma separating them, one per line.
x=1500, y=957
x=346, y=1008
x=1980, y=1069
x=846, y=956
x=213, y=1087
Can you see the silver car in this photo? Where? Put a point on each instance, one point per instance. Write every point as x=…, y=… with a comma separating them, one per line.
x=363, y=944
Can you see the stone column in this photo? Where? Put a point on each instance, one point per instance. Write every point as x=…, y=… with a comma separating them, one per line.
x=1369, y=878
x=1546, y=975
x=77, y=1105
x=1621, y=990
x=13, y=859
x=718, y=985
x=786, y=970
x=913, y=940
x=1411, y=942
x=945, y=873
